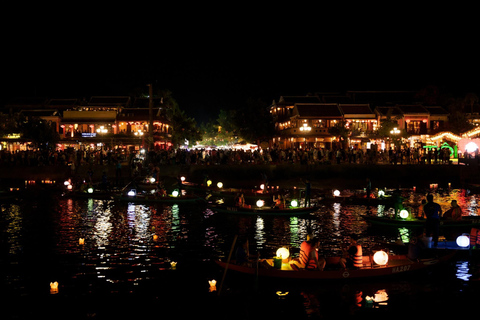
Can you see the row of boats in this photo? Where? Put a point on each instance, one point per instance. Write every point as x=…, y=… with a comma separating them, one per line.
x=275, y=202
x=260, y=200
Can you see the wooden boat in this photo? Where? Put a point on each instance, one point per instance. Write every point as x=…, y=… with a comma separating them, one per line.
x=396, y=265
x=262, y=211
x=471, y=221
x=160, y=199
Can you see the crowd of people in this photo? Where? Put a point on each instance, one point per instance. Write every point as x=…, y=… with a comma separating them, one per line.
x=230, y=156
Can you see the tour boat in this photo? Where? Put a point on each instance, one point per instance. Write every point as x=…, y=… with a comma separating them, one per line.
x=290, y=211
x=470, y=221
x=396, y=265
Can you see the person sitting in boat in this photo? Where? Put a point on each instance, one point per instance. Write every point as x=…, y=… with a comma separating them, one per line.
x=352, y=256
x=308, y=258
x=240, y=201
x=454, y=213
x=242, y=254
x=279, y=203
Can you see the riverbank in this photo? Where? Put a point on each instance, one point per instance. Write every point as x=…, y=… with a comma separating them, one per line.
x=321, y=176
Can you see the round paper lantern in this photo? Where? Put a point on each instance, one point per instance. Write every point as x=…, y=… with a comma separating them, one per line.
x=220, y=185
x=336, y=193
x=294, y=203
x=283, y=253
x=380, y=257
x=175, y=193
x=260, y=203
x=403, y=214
x=463, y=241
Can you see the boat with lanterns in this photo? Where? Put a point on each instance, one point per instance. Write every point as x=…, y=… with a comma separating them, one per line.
x=408, y=222
x=261, y=207
x=291, y=211
x=379, y=265
x=135, y=192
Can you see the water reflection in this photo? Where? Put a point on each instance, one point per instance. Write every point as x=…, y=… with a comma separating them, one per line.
x=11, y=216
x=463, y=270
x=128, y=243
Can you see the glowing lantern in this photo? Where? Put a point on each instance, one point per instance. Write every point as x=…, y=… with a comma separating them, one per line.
x=182, y=178
x=381, y=193
x=463, y=241
x=155, y=237
x=336, y=193
x=403, y=214
x=262, y=186
x=173, y=265
x=283, y=253
x=152, y=180
x=380, y=296
x=471, y=147
x=132, y=193
x=81, y=241
x=66, y=183
x=209, y=183
x=220, y=185
x=380, y=258
x=213, y=285
x=54, y=287
x=260, y=203
x=175, y=193
x=90, y=190
x=69, y=187
x=294, y=203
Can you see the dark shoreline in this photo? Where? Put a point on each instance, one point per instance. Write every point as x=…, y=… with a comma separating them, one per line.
x=321, y=176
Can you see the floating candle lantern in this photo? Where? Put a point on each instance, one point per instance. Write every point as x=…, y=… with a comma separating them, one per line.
x=54, y=287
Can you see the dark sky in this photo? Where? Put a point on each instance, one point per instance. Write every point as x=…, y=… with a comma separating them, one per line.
x=220, y=65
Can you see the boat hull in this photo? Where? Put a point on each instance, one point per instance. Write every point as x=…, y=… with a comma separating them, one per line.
x=396, y=267
x=259, y=211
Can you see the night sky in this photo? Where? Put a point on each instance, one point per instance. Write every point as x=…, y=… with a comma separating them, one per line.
x=220, y=65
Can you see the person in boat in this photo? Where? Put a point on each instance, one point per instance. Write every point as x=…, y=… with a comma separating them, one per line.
x=240, y=201
x=416, y=245
x=242, y=254
x=368, y=188
x=454, y=213
x=420, y=212
x=308, y=191
x=352, y=255
x=279, y=202
x=433, y=212
x=308, y=258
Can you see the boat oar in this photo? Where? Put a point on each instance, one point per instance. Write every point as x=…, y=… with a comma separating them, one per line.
x=228, y=262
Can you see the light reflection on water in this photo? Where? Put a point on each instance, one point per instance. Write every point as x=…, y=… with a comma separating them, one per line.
x=128, y=243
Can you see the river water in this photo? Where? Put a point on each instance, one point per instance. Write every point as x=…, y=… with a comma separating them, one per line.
x=123, y=268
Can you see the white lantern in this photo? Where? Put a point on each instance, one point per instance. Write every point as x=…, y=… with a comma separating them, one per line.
x=90, y=190
x=182, y=178
x=220, y=185
x=175, y=193
x=132, y=193
x=380, y=258
x=463, y=241
x=260, y=203
x=294, y=203
x=336, y=193
x=403, y=214
x=283, y=253
x=381, y=193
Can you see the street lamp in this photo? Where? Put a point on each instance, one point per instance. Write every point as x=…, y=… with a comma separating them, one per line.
x=395, y=131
